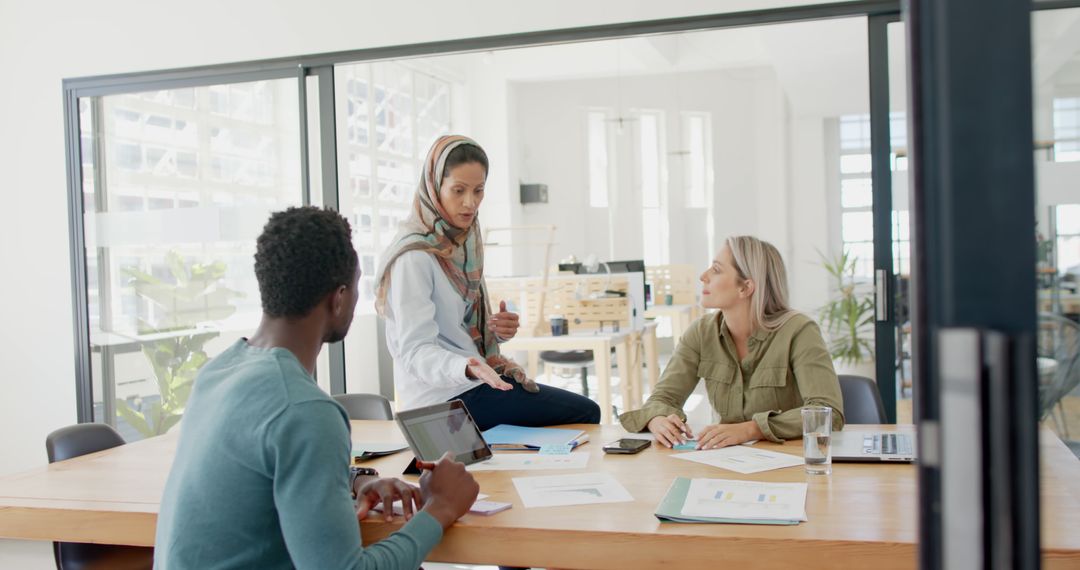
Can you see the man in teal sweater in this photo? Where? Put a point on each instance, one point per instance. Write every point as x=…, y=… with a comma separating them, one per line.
x=261, y=477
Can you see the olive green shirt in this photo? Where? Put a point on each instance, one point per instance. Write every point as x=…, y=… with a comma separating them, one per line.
x=783, y=371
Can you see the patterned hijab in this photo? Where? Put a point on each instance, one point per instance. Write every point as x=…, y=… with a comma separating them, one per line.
x=460, y=254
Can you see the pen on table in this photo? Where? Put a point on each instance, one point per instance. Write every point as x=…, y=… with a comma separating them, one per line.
x=425, y=465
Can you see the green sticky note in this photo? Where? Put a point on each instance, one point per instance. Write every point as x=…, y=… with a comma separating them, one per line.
x=688, y=446
x=555, y=449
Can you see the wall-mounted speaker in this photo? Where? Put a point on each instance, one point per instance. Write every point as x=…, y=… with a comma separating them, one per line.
x=534, y=194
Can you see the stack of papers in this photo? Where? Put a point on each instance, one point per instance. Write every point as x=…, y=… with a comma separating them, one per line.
x=508, y=437
x=743, y=460
x=738, y=502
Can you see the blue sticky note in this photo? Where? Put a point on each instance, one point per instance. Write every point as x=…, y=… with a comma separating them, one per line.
x=688, y=446
x=555, y=449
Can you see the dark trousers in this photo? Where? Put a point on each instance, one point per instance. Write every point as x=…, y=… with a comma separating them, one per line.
x=548, y=407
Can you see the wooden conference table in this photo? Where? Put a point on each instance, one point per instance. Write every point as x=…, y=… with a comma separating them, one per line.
x=861, y=516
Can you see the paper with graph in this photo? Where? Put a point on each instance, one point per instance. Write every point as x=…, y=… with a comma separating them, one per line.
x=748, y=500
x=577, y=489
x=517, y=461
x=743, y=460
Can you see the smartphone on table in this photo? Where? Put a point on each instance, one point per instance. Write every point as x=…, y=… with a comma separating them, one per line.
x=626, y=445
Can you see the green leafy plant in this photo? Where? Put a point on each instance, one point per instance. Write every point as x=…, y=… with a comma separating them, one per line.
x=195, y=294
x=848, y=317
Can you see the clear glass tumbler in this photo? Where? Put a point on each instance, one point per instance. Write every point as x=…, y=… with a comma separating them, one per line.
x=817, y=439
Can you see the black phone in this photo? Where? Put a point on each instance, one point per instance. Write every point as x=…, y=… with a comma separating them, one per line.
x=626, y=445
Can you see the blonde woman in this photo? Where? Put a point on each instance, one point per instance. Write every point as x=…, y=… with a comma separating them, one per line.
x=761, y=361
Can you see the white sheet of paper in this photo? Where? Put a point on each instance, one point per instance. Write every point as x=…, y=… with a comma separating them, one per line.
x=578, y=489
x=524, y=461
x=400, y=511
x=724, y=498
x=742, y=459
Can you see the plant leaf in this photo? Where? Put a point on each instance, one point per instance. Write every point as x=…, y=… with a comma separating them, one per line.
x=133, y=418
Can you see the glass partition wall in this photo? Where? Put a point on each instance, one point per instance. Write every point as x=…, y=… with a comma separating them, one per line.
x=1056, y=91
x=177, y=183
x=652, y=147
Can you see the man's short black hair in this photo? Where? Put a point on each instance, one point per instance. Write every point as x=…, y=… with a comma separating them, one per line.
x=302, y=255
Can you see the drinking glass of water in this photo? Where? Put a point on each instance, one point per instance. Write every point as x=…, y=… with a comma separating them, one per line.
x=817, y=434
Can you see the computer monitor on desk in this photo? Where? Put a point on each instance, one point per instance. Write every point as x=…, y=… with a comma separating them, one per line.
x=638, y=292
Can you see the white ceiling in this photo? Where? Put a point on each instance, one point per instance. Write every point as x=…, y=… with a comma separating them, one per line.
x=822, y=65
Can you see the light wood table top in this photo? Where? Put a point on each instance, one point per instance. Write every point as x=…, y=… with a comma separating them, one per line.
x=861, y=516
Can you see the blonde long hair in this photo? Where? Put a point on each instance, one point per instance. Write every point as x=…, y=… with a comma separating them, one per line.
x=760, y=262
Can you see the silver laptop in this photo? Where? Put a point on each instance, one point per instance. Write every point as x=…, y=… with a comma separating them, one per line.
x=860, y=445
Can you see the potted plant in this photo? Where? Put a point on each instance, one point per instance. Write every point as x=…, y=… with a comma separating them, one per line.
x=848, y=318
x=194, y=295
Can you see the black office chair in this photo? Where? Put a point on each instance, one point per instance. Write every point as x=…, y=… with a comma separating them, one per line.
x=366, y=406
x=862, y=401
x=74, y=441
x=1058, y=345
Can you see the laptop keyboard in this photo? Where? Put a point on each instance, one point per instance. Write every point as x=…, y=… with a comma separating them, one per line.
x=888, y=444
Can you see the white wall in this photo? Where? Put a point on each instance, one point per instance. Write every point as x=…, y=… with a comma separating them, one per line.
x=809, y=283
x=552, y=139
x=770, y=173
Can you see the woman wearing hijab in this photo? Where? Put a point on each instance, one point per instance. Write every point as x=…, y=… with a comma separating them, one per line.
x=439, y=326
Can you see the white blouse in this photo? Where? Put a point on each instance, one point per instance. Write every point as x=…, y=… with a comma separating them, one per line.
x=426, y=334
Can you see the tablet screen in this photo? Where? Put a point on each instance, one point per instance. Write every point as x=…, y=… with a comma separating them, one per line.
x=434, y=430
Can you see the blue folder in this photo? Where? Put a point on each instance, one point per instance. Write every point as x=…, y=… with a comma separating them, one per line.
x=505, y=436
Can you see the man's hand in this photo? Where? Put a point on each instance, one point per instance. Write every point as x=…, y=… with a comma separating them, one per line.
x=387, y=491
x=449, y=490
x=670, y=430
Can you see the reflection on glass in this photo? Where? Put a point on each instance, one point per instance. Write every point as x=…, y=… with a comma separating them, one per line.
x=388, y=114
x=178, y=184
x=393, y=105
x=1056, y=120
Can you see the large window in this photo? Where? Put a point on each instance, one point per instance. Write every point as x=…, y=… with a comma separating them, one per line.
x=1066, y=129
x=857, y=197
x=177, y=184
x=600, y=171
x=697, y=159
x=1067, y=231
x=652, y=172
x=388, y=116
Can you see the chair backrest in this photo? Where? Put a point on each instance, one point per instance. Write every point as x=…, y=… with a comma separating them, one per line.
x=75, y=441
x=1059, y=340
x=366, y=406
x=862, y=401
x=81, y=439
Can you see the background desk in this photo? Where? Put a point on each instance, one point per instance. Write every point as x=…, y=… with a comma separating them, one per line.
x=862, y=516
x=600, y=344
x=681, y=317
